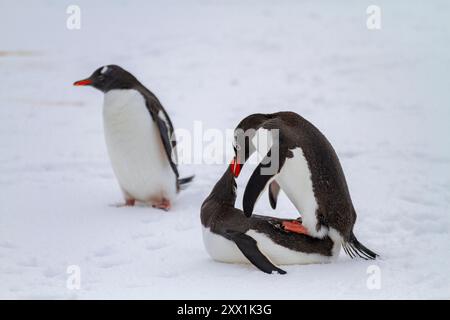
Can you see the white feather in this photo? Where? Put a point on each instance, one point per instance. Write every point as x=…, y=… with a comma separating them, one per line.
x=222, y=249
x=295, y=180
x=135, y=147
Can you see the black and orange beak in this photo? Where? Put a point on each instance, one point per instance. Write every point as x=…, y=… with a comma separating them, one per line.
x=84, y=82
x=235, y=167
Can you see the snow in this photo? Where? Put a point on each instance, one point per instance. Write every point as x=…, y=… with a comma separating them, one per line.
x=380, y=96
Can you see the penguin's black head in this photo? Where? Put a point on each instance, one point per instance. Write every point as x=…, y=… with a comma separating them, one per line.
x=243, y=145
x=108, y=78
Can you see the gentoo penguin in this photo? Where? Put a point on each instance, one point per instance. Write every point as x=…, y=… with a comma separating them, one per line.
x=305, y=166
x=139, y=137
x=231, y=237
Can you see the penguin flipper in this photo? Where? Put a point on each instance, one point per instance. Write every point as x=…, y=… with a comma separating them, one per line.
x=259, y=179
x=164, y=133
x=248, y=246
x=274, y=190
x=165, y=128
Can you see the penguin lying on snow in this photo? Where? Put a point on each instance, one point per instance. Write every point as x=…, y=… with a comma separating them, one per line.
x=230, y=236
x=308, y=171
x=139, y=137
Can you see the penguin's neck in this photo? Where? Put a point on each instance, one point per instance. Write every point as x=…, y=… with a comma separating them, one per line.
x=225, y=190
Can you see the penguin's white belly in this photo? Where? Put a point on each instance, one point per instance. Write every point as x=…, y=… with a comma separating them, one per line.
x=224, y=250
x=295, y=180
x=135, y=148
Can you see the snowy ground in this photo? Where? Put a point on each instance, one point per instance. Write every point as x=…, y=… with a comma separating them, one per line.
x=381, y=97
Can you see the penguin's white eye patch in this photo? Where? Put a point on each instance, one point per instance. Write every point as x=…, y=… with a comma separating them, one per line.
x=235, y=144
x=104, y=70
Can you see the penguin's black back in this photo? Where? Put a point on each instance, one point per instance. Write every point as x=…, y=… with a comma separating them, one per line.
x=330, y=188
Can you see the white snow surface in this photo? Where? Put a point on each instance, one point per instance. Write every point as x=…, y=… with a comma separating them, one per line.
x=380, y=96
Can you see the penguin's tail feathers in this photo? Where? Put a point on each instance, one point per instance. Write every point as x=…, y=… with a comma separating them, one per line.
x=353, y=248
x=184, y=182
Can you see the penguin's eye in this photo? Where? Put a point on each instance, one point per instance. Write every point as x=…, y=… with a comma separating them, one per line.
x=237, y=147
x=101, y=78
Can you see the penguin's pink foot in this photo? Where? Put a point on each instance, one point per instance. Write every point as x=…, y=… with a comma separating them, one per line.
x=164, y=205
x=294, y=226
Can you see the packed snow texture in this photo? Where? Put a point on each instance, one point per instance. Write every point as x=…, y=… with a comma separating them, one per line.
x=380, y=96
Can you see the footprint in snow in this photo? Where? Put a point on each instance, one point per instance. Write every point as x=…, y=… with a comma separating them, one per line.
x=105, y=251
x=113, y=263
x=7, y=245
x=30, y=262
x=156, y=245
x=52, y=272
x=138, y=236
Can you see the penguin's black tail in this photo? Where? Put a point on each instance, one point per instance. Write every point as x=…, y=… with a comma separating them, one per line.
x=354, y=249
x=184, y=182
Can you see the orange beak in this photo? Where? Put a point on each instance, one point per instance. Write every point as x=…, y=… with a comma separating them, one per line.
x=235, y=167
x=84, y=82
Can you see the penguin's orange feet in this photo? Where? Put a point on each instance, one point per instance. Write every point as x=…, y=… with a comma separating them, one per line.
x=164, y=205
x=294, y=226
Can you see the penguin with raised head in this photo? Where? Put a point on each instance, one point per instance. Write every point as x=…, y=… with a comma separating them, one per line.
x=139, y=137
x=229, y=236
x=302, y=163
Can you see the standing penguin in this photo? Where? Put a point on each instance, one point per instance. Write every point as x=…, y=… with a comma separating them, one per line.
x=307, y=169
x=139, y=137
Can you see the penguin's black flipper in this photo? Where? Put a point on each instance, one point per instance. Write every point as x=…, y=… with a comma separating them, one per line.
x=263, y=173
x=165, y=128
x=165, y=137
x=274, y=190
x=249, y=248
